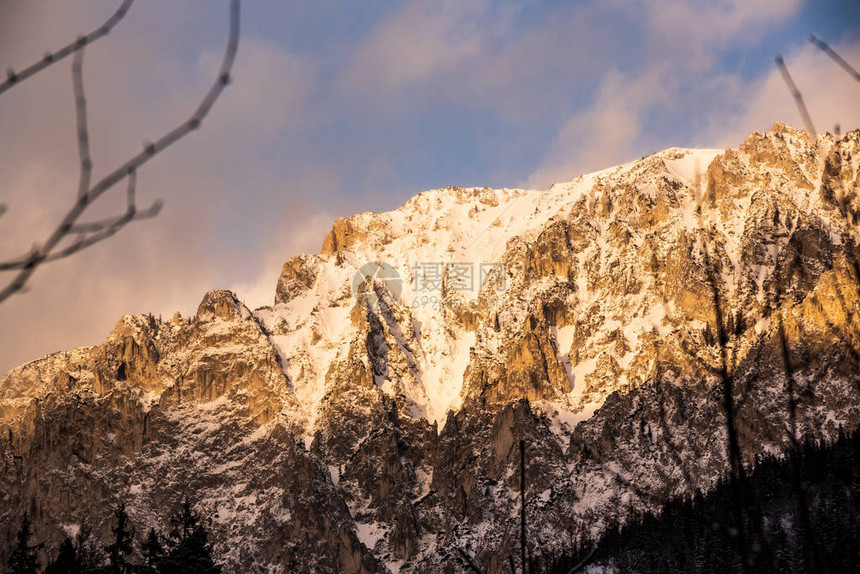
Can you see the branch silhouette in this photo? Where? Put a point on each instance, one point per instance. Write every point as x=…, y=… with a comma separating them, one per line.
x=824, y=47
x=14, y=78
x=798, y=97
x=87, y=234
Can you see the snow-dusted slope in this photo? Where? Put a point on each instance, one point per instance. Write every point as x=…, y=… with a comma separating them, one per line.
x=657, y=202
x=371, y=424
x=465, y=228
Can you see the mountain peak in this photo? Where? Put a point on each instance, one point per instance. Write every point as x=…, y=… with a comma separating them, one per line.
x=223, y=304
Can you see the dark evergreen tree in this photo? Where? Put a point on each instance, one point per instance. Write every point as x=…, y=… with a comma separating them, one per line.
x=153, y=552
x=121, y=548
x=699, y=535
x=190, y=551
x=88, y=549
x=67, y=561
x=23, y=558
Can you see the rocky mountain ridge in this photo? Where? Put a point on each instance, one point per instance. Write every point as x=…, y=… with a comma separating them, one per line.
x=369, y=425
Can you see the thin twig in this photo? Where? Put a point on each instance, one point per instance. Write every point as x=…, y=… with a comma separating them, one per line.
x=132, y=214
x=795, y=93
x=727, y=387
x=14, y=78
x=81, y=122
x=824, y=47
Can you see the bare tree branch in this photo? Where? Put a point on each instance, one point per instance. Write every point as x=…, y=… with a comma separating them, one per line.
x=94, y=232
x=14, y=78
x=81, y=122
x=736, y=466
x=824, y=47
x=132, y=213
x=798, y=97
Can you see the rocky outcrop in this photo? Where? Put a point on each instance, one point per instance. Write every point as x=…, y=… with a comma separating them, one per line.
x=364, y=228
x=297, y=276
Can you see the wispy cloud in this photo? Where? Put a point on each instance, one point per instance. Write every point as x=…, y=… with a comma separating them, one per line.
x=700, y=31
x=417, y=44
x=634, y=111
x=299, y=237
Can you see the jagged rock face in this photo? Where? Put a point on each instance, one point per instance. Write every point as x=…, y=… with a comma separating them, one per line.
x=361, y=229
x=380, y=432
x=297, y=276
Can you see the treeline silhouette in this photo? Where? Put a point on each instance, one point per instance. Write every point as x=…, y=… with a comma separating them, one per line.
x=698, y=534
x=183, y=549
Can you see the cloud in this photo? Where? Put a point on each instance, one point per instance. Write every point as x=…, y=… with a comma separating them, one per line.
x=418, y=43
x=298, y=237
x=677, y=89
x=700, y=30
x=486, y=56
x=270, y=91
x=607, y=133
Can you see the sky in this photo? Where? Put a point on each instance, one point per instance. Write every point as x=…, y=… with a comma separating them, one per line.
x=339, y=108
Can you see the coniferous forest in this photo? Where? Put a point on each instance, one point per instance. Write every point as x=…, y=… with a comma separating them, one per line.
x=800, y=513
x=184, y=548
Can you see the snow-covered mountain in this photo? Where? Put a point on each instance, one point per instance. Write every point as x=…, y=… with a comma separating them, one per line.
x=369, y=420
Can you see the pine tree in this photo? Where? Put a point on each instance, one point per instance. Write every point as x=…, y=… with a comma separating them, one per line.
x=22, y=558
x=153, y=551
x=122, y=545
x=67, y=561
x=89, y=551
x=190, y=552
